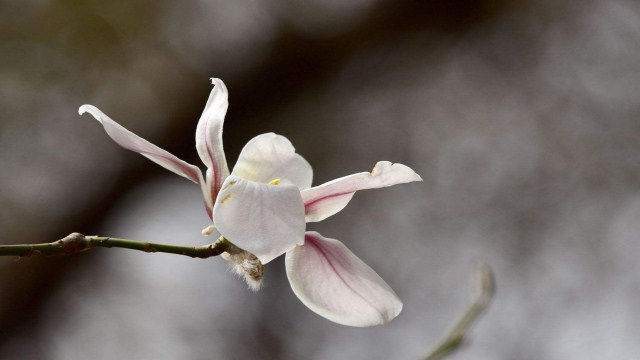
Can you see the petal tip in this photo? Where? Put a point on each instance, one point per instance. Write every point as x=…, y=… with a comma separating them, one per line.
x=94, y=111
x=382, y=167
x=396, y=311
x=84, y=108
x=217, y=82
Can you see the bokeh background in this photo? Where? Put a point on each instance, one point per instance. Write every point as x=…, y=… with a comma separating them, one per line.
x=521, y=116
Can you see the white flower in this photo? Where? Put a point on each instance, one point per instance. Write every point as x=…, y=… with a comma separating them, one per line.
x=262, y=207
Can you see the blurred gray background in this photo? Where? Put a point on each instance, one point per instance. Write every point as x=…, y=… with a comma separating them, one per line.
x=521, y=116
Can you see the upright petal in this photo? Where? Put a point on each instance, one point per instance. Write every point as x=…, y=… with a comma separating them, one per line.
x=269, y=156
x=133, y=142
x=209, y=136
x=266, y=220
x=336, y=284
x=324, y=200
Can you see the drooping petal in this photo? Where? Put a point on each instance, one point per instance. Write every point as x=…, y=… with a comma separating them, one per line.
x=133, y=142
x=325, y=200
x=270, y=156
x=266, y=220
x=209, y=136
x=333, y=282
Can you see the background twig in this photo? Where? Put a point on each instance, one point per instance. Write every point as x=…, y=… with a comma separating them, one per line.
x=456, y=335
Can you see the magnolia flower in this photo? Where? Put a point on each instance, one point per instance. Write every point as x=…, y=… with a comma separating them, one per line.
x=262, y=208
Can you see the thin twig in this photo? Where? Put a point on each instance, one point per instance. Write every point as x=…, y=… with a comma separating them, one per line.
x=457, y=333
x=76, y=243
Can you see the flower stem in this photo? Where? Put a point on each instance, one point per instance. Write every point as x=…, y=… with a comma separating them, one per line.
x=457, y=333
x=76, y=242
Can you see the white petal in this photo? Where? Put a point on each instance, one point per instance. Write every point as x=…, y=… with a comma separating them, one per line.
x=266, y=220
x=329, y=198
x=209, y=136
x=336, y=284
x=269, y=156
x=133, y=142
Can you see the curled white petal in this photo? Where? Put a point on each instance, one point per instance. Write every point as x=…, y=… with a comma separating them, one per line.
x=269, y=156
x=209, y=136
x=329, y=198
x=133, y=142
x=265, y=220
x=333, y=282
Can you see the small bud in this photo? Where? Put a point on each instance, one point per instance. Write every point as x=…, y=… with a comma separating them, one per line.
x=274, y=182
x=208, y=230
x=248, y=266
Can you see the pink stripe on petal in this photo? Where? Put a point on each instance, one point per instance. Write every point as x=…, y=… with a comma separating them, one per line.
x=209, y=136
x=329, y=198
x=133, y=142
x=334, y=283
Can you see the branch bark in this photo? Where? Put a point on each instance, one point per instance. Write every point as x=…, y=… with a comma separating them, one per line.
x=76, y=243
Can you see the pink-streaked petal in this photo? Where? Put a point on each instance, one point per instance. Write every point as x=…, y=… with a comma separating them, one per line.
x=266, y=220
x=208, y=201
x=133, y=142
x=269, y=156
x=334, y=283
x=329, y=198
x=209, y=136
